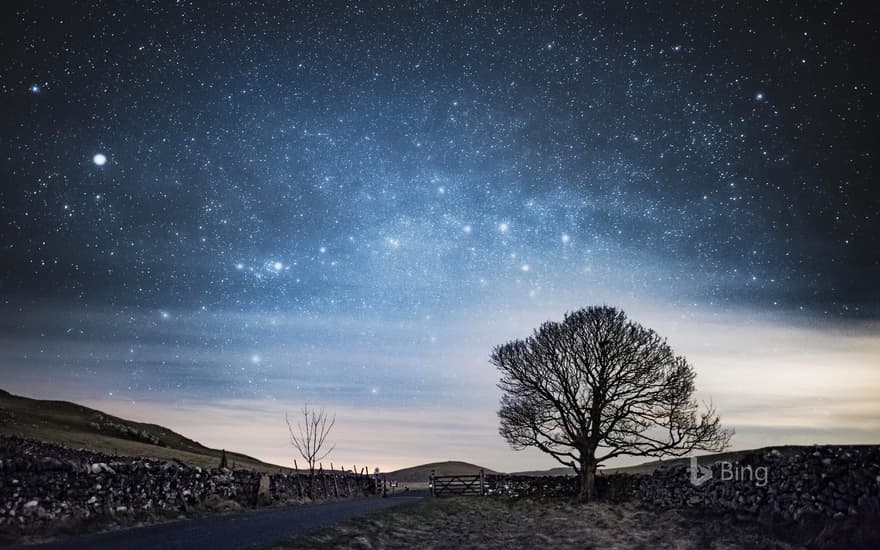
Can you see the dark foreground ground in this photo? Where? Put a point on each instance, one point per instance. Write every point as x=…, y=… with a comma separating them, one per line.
x=474, y=522
x=231, y=531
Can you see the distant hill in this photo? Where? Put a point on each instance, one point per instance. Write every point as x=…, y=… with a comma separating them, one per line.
x=705, y=460
x=648, y=467
x=81, y=427
x=418, y=474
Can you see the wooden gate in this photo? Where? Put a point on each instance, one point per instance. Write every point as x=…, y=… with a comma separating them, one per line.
x=458, y=485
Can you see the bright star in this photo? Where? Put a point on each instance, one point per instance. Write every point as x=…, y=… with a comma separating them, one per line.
x=759, y=96
x=565, y=238
x=503, y=227
x=277, y=266
x=467, y=229
x=256, y=359
x=99, y=159
x=35, y=88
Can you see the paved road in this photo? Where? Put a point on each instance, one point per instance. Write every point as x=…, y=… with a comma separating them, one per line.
x=232, y=531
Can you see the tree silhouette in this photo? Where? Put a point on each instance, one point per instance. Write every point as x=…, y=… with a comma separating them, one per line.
x=596, y=386
x=309, y=438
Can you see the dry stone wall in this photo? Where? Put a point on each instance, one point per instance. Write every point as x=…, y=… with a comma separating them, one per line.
x=42, y=485
x=531, y=486
x=821, y=481
x=814, y=482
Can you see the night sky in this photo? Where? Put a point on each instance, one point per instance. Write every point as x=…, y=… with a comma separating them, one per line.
x=234, y=209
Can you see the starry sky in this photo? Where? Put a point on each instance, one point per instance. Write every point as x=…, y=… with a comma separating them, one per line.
x=225, y=210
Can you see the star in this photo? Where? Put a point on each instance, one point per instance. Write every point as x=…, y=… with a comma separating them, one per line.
x=99, y=159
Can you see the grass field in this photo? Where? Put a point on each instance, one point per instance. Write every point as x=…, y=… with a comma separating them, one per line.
x=473, y=522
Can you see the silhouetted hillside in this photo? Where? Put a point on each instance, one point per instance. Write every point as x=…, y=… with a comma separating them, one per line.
x=81, y=427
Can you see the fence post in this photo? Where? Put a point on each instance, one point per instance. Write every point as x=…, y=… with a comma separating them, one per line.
x=433, y=485
x=335, y=484
x=482, y=482
x=302, y=492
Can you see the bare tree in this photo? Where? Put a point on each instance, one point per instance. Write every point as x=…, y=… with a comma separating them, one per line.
x=309, y=438
x=596, y=386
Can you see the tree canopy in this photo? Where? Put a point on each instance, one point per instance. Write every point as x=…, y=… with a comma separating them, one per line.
x=597, y=386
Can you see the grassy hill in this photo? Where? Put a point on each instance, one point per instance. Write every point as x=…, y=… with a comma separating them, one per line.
x=648, y=467
x=81, y=427
x=705, y=460
x=419, y=474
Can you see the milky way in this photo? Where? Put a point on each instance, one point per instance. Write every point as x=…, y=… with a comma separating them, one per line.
x=241, y=199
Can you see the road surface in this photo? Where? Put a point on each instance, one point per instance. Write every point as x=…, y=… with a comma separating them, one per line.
x=230, y=531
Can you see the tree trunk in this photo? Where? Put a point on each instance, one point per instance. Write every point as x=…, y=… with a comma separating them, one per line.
x=588, y=477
